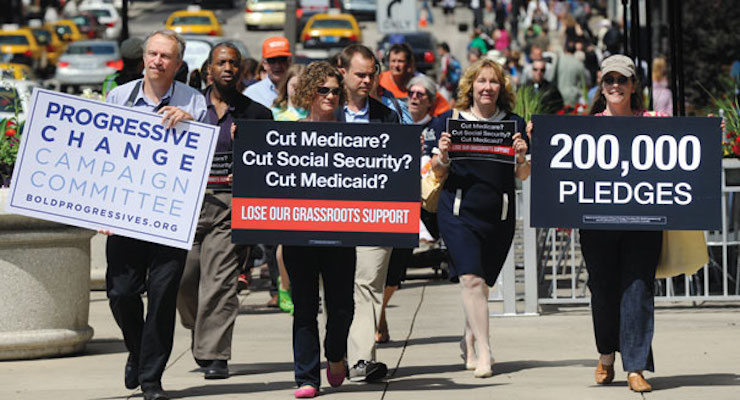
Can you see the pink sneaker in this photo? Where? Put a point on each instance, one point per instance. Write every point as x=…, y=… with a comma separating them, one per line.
x=306, y=392
x=335, y=380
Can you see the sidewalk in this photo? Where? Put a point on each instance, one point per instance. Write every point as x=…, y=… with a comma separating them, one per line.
x=547, y=357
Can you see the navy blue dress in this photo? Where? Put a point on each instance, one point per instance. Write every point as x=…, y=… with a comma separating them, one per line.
x=478, y=236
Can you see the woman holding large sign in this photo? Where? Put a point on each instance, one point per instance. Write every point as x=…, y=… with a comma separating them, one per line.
x=621, y=264
x=319, y=90
x=476, y=207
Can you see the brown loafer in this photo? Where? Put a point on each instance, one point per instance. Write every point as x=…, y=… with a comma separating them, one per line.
x=638, y=383
x=604, y=374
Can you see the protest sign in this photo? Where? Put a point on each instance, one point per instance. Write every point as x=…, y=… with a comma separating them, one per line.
x=626, y=173
x=103, y=166
x=221, y=168
x=337, y=184
x=482, y=140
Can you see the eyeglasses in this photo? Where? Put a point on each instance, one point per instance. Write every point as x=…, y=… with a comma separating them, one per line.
x=609, y=80
x=275, y=60
x=414, y=93
x=324, y=91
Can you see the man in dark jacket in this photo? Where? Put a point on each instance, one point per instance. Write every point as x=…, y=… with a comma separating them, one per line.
x=207, y=300
x=551, y=99
x=359, y=68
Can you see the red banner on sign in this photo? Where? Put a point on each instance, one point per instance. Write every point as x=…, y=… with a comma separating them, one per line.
x=477, y=148
x=325, y=215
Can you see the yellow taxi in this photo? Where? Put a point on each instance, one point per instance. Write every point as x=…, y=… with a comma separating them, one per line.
x=20, y=46
x=331, y=30
x=47, y=38
x=18, y=72
x=68, y=31
x=264, y=14
x=194, y=22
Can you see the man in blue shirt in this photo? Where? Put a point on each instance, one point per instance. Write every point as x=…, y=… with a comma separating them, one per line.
x=135, y=266
x=276, y=59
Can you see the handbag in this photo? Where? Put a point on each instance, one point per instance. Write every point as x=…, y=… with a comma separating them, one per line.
x=431, y=188
x=684, y=252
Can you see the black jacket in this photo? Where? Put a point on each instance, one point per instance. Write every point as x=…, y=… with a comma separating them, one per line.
x=378, y=113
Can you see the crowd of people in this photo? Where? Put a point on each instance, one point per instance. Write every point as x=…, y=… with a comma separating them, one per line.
x=475, y=216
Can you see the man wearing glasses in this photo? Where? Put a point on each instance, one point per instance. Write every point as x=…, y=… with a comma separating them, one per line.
x=276, y=59
x=551, y=99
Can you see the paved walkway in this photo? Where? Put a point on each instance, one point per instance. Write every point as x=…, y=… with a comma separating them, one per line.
x=552, y=356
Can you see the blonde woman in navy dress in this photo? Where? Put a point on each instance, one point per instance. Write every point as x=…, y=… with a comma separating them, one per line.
x=476, y=208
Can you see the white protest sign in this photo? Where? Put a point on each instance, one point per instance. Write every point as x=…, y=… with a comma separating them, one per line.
x=396, y=16
x=103, y=166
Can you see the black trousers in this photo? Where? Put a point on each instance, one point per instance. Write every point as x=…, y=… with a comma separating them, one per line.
x=337, y=268
x=621, y=276
x=135, y=266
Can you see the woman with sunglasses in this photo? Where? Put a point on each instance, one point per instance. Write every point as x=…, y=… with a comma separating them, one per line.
x=421, y=94
x=476, y=207
x=319, y=91
x=621, y=264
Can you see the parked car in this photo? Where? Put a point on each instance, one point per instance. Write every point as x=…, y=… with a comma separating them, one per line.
x=194, y=22
x=215, y=3
x=361, y=9
x=15, y=97
x=48, y=39
x=424, y=45
x=87, y=63
x=89, y=25
x=331, y=30
x=67, y=30
x=107, y=16
x=264, y=14
x=16, y=72
x=18, y=45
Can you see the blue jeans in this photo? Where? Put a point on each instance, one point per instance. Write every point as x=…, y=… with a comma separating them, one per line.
x=621, y=276
x=337, y=268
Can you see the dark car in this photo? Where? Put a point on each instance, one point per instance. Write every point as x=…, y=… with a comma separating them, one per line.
x=423, y=44
x=88, y=25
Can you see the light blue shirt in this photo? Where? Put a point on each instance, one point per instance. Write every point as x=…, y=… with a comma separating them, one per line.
x=263, y=92
x=180, y=95
x=360, y=117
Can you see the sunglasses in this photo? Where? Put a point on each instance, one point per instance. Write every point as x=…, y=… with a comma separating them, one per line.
x=609, y=80
x=275, y=60
x=537, y=69
x=324, y=91
x=414, y=93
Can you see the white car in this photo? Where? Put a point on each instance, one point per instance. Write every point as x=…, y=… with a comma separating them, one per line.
x=15, y=96
x=108, y=16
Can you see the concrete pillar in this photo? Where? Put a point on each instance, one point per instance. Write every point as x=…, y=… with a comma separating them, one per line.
x=45, y=287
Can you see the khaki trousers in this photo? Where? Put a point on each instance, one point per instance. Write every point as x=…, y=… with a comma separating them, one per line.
x=207, y=300
x=370, y=274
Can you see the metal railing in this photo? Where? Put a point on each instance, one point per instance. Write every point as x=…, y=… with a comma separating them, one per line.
x=545, y=266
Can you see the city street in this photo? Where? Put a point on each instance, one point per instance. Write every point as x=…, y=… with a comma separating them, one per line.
x=147, y=16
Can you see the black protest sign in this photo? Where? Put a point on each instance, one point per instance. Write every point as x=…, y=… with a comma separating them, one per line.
x=482, y=140
x=334, y=184
x=626, y=173
x=221, y=168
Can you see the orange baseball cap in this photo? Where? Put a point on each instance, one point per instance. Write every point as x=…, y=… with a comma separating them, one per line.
x=276, y=46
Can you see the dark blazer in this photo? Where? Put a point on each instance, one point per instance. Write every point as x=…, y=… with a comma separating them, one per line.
x=246, y=108
x=378, y=113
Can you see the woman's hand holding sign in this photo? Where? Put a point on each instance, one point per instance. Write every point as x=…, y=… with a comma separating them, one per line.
x=441, y=160
x=523, y=167
x=171, y=115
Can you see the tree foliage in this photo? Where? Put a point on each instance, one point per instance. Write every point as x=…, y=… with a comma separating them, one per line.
x=711, y=42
